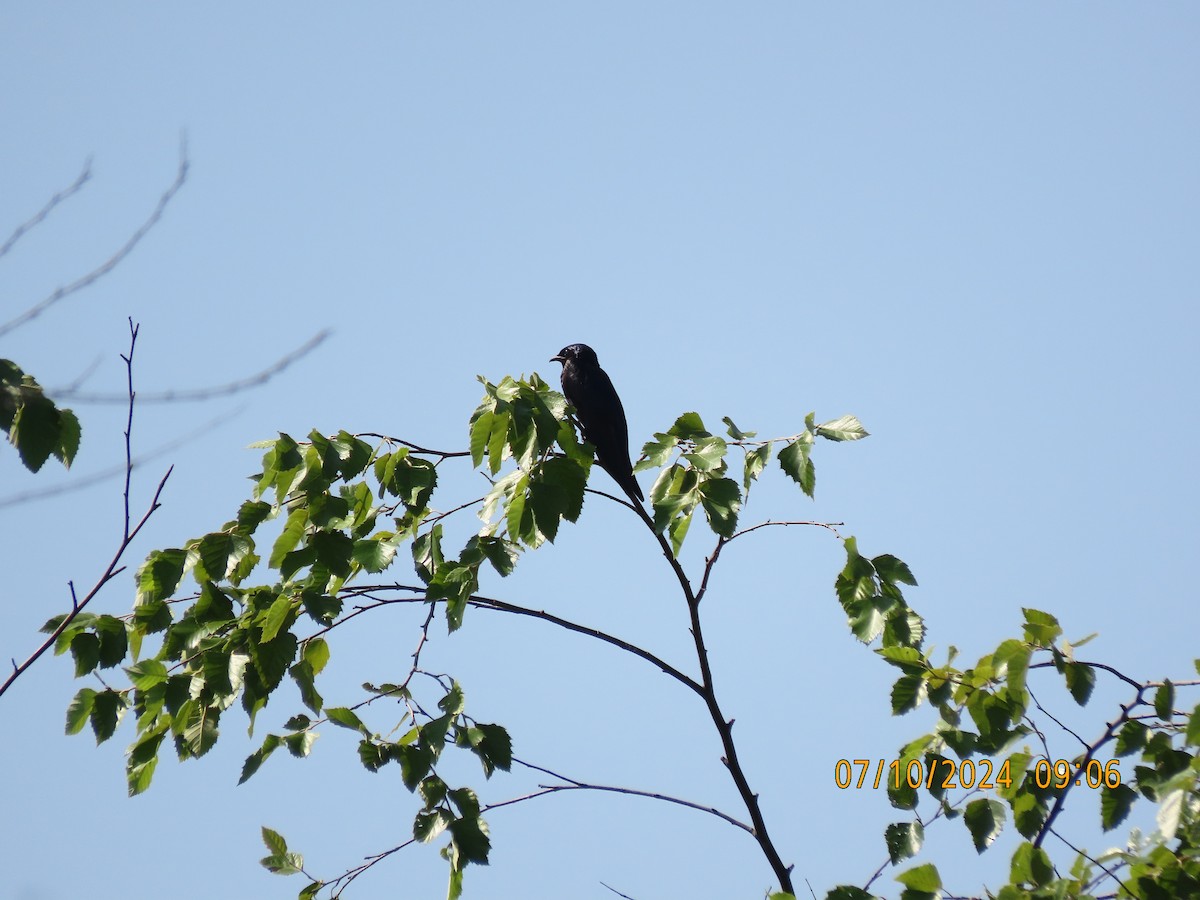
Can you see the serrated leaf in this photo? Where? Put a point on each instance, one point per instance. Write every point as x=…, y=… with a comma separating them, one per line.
x=984, y=818
x=795, y=462
x=843, y=428
x=80, y=710
x=429, y=824
x=1164, y=700
x=255, y=760
x=921, y=878
x=1115, y=804
x=904, y=840
x=347, y=718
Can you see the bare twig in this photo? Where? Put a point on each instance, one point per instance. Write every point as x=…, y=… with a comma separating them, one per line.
x=207, y=393
x=54, y=201
x=129, y=532
x=113, y=261
x=573, y=785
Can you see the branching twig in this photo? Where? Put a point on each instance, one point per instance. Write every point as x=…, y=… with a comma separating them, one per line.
x=482, y=602
x=724, y=726
x=113, y=261
x=1109, y=732
x=128, y=534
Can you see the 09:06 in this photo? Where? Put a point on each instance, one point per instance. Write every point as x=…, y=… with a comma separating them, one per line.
x=1059, y=773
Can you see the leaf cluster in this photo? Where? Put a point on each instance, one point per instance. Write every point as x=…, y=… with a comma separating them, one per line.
x=34, y=424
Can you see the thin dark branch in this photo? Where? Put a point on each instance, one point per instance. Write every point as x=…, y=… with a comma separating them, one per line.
x=512, y=608
x=724, y=726
x=445, y=454
x=1095, y=862
x=1114, y=672
x=1056, y=721
x=54, y=201
x=615, y=891
x=192, y=395
x=1109, y=733
x=113, y=261
x=488, y=603
x=114, y=567
x=831, y=526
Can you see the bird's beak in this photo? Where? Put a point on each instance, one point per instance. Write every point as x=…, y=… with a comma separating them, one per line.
x=557, y=359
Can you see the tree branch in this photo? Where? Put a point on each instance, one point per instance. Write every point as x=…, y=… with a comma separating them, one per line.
x=54, y=201
x=113, y=261
x=724, y=727
x=128, y=534
x=206, y=393
x=482, y=602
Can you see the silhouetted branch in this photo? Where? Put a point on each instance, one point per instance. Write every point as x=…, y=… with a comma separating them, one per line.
x=128, y=534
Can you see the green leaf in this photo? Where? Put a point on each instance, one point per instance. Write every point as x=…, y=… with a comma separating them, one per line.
x=1080, y=681
x=69, y=433
x=844, y=428
x=794, y=461
x=35, y=429
x=114, y=640
x=85, y=650
x=255, y=760
x=80, y=710
x=107, y=707
x=142, y=759
x=708, y=454
x=1041, y=628
x=301, y=743
x=274, y=841
x=159, y=576
x=470, y=837
x=904, y=840
x=289, y=538
x=921, y=878
x=347, y=718
x=893, y=569
x=1131, y=737
x=1115, y=804
x=492, y=744
x=756, y=462
x=428, y=824
x=1164, y=700
x=375, y=554
x=1193, y=728
x=721, y=499
x=277, y=617
x=1031, y=865
x=736, y=433
x=984, y=818
x=907, y=694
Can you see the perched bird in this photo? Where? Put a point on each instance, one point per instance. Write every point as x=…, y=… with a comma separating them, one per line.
x=599, y=409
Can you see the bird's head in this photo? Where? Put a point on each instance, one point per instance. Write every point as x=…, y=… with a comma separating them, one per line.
x=576, y=353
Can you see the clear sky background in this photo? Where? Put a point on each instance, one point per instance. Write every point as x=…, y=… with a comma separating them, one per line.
x=974, y=226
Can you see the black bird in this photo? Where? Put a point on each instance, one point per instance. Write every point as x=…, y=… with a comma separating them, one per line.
x=589, y=389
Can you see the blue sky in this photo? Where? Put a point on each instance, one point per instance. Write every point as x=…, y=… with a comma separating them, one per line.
x=974, y=226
